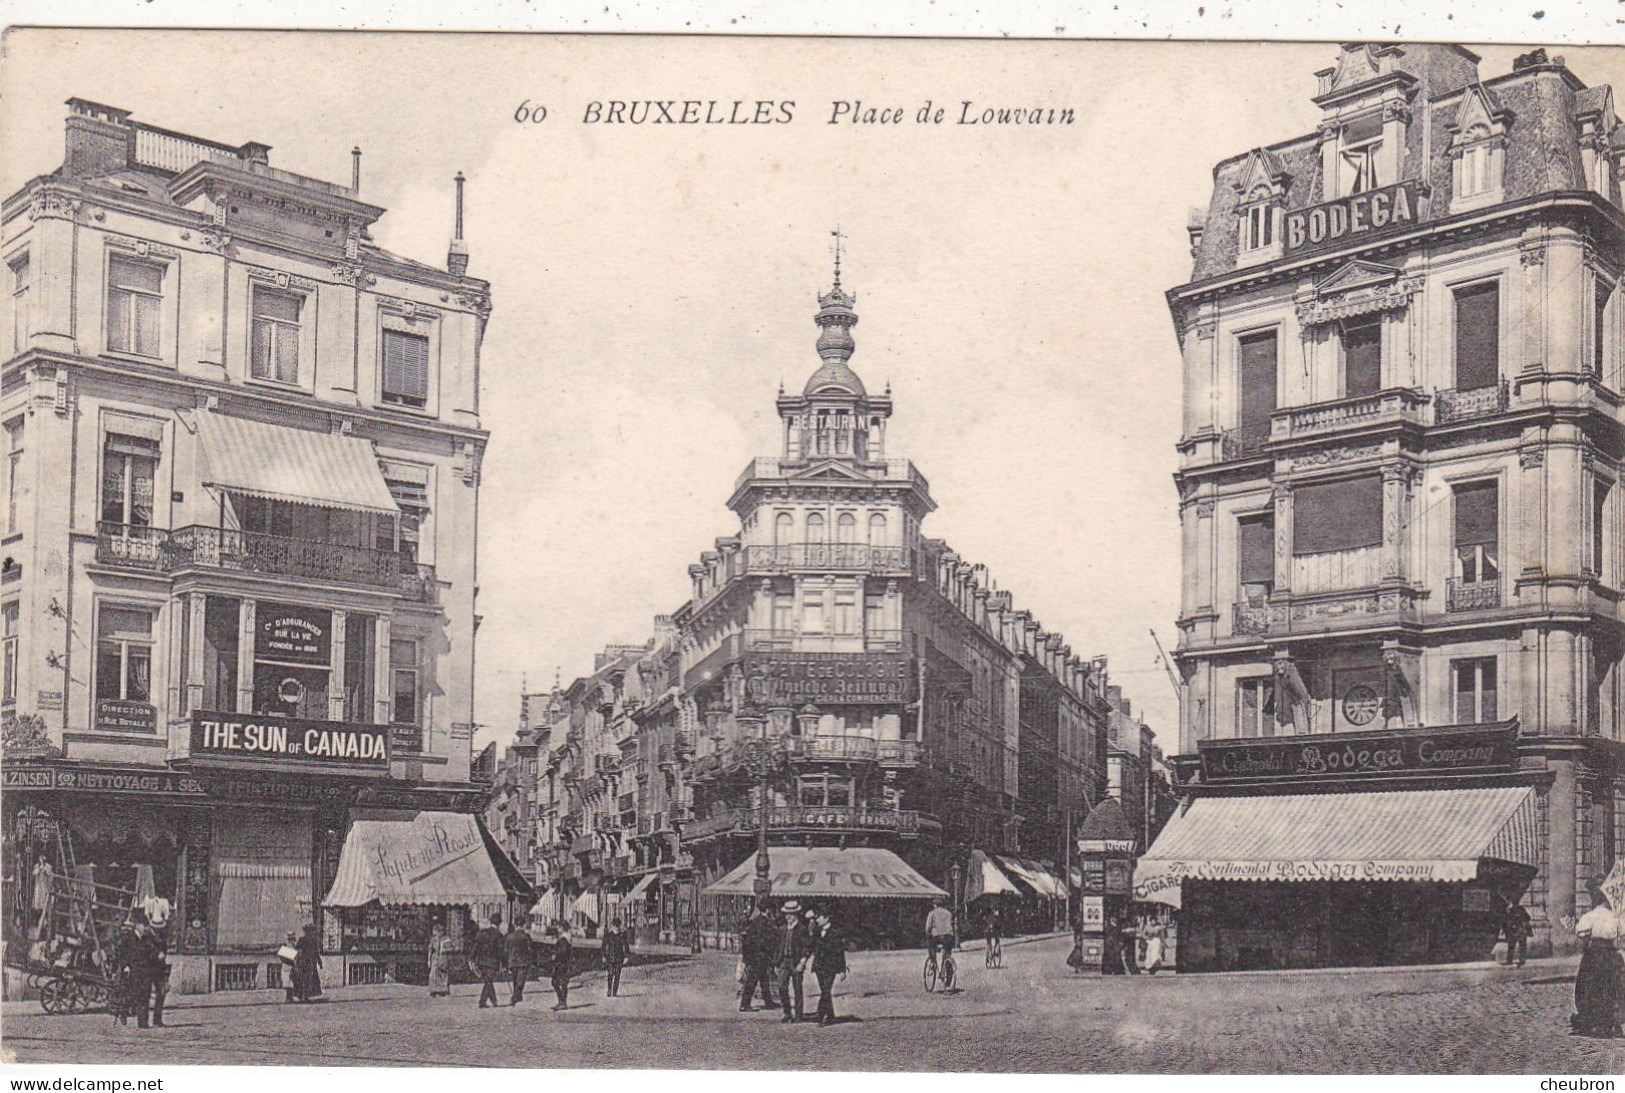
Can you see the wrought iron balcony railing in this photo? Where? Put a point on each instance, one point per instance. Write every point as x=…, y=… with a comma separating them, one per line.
x=1467, y=403
x=1462, y=595
x=1251, y=618
x=132, y=546
x=1244, y=440
x=786, y=641
x=841, y=557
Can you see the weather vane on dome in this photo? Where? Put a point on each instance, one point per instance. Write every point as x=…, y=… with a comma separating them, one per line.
x=838, y=237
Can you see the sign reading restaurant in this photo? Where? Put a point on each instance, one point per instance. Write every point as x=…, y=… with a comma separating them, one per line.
x=1350, y=218
x=272, y=737
x=1451, y=750
x=834, y=678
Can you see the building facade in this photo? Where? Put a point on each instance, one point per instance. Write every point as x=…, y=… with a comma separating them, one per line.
x=242, y=481
x=1400, y=497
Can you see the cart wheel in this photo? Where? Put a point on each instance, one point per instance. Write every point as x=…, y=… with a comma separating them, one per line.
x=58, y=996
x=92, y=996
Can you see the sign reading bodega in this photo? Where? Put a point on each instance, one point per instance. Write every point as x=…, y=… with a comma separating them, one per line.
x=272, y=737
x=1348, y=218
x=1454, y=749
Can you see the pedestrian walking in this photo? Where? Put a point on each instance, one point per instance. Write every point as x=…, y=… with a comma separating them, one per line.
x=792, y=948
x=486, y=956
x=289, y=955
x=439, y=963
x=1599, y=986
x=156, y=950
x=307, y=965
x=130, y=970
x=756, y=951
x=615, y=950
x=1156, y=938
x=1111, y=948
x=828, y=961
x=562, y=951
x=1515, y=924
x=516, y=949
x=1129, y=945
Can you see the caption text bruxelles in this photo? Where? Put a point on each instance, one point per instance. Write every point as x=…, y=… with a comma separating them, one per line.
x=734, y=112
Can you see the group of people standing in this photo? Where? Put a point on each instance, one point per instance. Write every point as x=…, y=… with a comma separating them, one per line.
x=140, y=972
x=1129, y=945
x=778, y=950
x=517, y=954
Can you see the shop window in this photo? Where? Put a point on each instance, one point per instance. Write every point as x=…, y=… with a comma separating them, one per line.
x=1478, y=336
x=14, y=465
x=1362, y=356
x=1477, y=532
x=124, y=653
x=129, y=470
x=405, y=369
x=21, y=285
x=293, y=660
x=1337, y=516
x=406, y=707
x=135, y=299
x=1255, y=552
x=1258, y=363
x=275, y=334
x=10, y=617
x=1475, y=690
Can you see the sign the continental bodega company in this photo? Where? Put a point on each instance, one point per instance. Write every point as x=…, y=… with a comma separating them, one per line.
x=272, y=737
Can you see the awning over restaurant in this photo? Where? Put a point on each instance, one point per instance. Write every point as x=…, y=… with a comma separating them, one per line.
x=986, y=879
x=1422, y=835
x=550, y=908
x=1034, y=876
x=434, y=858
x=587, y=904
x=640, y=887
x=329, y=470
x=824, y=872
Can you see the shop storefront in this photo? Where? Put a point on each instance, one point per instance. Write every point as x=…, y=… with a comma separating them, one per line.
x=1355, y=850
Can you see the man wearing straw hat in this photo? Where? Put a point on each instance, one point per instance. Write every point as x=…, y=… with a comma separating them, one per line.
x=791, y=950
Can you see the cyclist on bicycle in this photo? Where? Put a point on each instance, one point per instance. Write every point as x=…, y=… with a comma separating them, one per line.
x=939, y=929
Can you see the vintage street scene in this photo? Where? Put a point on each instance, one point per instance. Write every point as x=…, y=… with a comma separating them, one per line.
x=473, y=595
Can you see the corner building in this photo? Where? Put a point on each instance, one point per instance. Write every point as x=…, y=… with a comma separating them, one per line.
x=241, y=485
x=1400, y=494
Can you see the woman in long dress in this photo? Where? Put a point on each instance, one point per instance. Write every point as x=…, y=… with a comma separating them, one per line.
x=439, y=964
x=1155, y=934
x=307, y=975
x=1599, y=987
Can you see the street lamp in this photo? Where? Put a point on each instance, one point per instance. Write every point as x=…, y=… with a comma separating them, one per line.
x=750, y=719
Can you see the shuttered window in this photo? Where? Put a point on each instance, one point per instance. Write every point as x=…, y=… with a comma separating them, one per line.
x=406, y=368
x=1332, y=516
x=1258, y=364
x=1478, y=336
x=1477, y=531
x=1362, y=357
x=1256, y=549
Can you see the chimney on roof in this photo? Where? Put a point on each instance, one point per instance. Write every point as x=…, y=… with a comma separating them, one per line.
x=457, y=255
x=99, y=140
x=1195, y=225
x=355, y=169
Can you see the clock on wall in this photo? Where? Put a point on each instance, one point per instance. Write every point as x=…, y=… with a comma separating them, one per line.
x=1360, y=704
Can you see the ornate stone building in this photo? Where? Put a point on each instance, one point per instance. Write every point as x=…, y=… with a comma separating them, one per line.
x=1400, y=496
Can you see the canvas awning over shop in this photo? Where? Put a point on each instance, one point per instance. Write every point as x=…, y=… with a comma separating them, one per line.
x=550, y=908
x=1436, y=835
x=1034, y=876
x=329, y=470
x=986, y=879
x=824, y=872
x=587, y=904
x=640, y=887
x=434, y=858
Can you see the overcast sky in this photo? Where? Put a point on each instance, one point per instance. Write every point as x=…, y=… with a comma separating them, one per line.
x=654, y=284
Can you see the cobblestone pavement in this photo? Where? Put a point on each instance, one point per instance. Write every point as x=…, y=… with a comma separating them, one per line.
x=1033, y=1015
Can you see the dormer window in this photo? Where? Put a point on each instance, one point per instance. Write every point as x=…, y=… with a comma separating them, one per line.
x=1359, y=156
x=1477, y=150
x=1261, y=187
x=1260, y=227
x=1479, y=169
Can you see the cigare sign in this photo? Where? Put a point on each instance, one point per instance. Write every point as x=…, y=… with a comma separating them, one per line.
x=838, y=678
x=1362, y=755
x=1349, y=218
x=271, y=737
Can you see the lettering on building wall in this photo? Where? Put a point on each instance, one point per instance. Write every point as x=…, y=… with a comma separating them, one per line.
x=1361, y=754
x=834, y=678
x=269, y=736
x=1387, y=209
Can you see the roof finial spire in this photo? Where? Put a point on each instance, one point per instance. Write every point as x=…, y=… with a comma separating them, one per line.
x=838, y=237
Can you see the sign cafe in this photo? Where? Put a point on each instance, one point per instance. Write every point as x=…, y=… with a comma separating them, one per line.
x=1349, y=217
x=273, y=737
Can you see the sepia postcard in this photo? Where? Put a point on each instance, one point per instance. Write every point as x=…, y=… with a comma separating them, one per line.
x=812, y=554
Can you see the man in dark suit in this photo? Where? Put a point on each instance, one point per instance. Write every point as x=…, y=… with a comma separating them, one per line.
x=791, y=949
x=756, y=949
x=1516, y=926
x=516, y=948
x=828, y=961
x=486, y=956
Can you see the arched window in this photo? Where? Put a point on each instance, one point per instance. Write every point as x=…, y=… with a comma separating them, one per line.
x=782, y=524
x=846, y=528
x=815, y=527
x=877, y=529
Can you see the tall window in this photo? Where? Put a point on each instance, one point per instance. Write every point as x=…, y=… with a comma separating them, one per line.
x=1599, y=330
x=14, y=466
x=20, y=286
x=783, y=525
x=124, y=653
x=1360, y=145
x=815, y=527
x=359, y=633
x=1258, y=368
x=812, y=612
x=403, y=534
x=1478, y=520
x=1362, y=356
x=135, y=298
x=1474, y=681
x=1599, y=533
x=222, y=636
x=1478, y=336
x=1479, y=171
x=9, y=619
x=846, y=612
x=784, y=612
x=407, y=709
x=1256, y=557
x=275, y=353
x=1258, y=227
x=877, y=529
x=825, y=789
x=1337, y=516
x=406, y=369
x=1255, y=707
x=874, y=613
x=129, y=467
x=846, y=528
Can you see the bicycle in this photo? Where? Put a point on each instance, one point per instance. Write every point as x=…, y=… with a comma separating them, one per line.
x=995, y=953
x=934, y=973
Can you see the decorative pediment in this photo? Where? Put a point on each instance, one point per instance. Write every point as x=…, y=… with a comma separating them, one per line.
x=830, y=469
x=1358, y=288
x=1478, y=117
x=1356, y=65
x=1263, y=178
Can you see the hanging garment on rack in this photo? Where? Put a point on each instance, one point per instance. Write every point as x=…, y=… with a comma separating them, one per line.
x=144, y=887
x=42, y=886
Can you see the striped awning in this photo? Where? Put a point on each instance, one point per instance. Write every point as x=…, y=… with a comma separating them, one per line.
x=829, y=872
x=283, y=463
x=1034, y=876
x=640, y=887
x=986, y=879
x=434, y=858
x=1436, y=835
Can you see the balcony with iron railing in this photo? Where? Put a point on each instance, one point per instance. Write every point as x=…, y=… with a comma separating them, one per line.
x=1244, y=441
x=788, y=641
x=1469, y=403
x=1464, y=595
